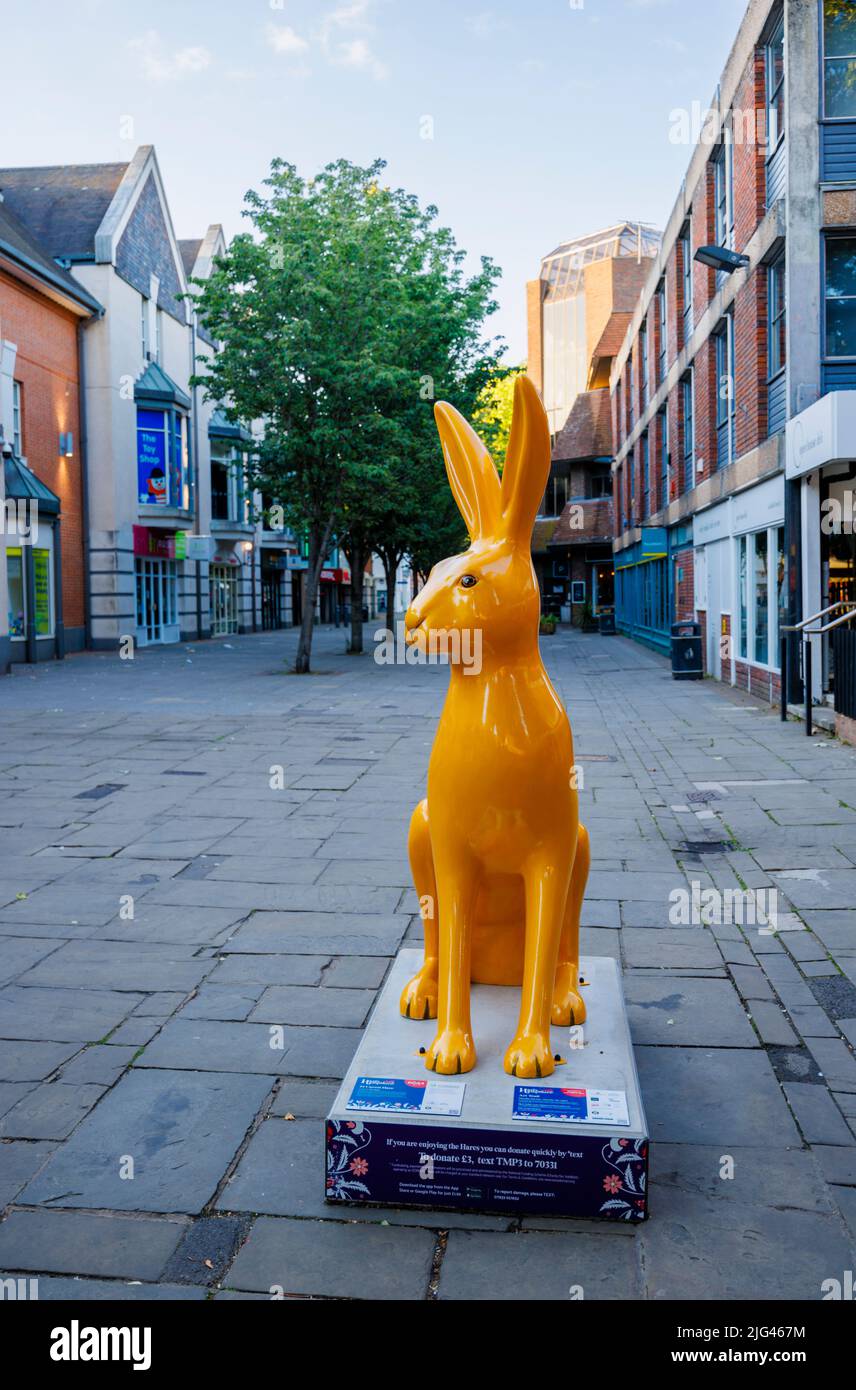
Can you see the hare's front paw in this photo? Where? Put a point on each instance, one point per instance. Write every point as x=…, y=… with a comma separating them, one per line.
x=530, y=1055
x=419, y=998
x=451, y=1052
x=568, y=1005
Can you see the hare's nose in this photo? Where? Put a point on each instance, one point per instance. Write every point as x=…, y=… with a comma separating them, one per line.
x=412, y=619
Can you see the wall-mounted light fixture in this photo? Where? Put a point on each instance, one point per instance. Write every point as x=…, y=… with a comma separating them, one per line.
x=720, y=258
x=66, y=445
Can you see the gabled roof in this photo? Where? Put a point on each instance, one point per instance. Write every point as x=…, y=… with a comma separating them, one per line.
x=23, y=485
x=189, y=252
x=63, y=205
x=221, y=427
x=587, y=432
x=19, y=246
x=153, y=386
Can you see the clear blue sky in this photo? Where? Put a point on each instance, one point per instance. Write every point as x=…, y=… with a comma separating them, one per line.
x=550, y=117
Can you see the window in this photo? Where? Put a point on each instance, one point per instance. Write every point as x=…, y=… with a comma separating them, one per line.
x=776, y=317
x=226, y=484
x=774, y=62
x=600, y=485
x=724, y=340
x=686, y=245
x=664, y=456
x=643, y=364
x=17, y=418
x=761, y=594
x=163, y=462
x=723, y=190
x=646, y=476
x=662, y=320
x=689, y=431
x=841, y=297
x=631, y=403
x=632, y=463
x=144, y=327
x=41, y=559
x=839, y=60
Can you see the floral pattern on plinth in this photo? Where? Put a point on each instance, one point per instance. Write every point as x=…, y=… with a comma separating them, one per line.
x=625, y=1182
x=346, y=1139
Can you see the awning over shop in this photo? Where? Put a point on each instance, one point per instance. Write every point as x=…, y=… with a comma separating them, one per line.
x=22, y=485
x=154, y=387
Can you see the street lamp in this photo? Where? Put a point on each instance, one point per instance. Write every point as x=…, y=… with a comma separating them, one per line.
x=720, y=258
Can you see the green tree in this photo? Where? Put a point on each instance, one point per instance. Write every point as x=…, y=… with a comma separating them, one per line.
x=333, y=314
x=493, y=411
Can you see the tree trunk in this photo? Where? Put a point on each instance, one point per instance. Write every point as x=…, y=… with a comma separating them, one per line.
x=357, y=562
x=318, y=546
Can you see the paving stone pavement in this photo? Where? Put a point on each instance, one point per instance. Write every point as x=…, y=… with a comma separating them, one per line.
x=165, y=900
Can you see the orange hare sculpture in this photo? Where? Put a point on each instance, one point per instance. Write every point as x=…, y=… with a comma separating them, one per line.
x=498, y=856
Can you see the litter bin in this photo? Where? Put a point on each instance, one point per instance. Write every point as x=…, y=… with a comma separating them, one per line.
x=686, y=652
x=606, y=622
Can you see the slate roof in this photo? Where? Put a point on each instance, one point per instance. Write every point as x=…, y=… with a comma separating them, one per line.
x=582, y=523
x=189, y=251
x=23, y=485
x=587, y=432
x=63, y=205
x=155, y=386
x=17, y=243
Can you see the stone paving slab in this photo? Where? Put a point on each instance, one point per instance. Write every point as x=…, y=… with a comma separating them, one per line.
x=335, y=1260
x=181, y=1129
x=533, y=1267
x=68, y=1242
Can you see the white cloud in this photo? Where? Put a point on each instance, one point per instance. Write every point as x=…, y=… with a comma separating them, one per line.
x=283, y=39
x=343, y=50
x=157, y=64
x=485, y=24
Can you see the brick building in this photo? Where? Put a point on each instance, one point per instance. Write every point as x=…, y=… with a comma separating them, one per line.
x=578, y=313
x=42, y=451
x=714, y=364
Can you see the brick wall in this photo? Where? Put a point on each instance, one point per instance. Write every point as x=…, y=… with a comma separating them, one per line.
x=750, y=362
x=683, y=583
x=750, y=189
x=703, y=233
x=47, y=367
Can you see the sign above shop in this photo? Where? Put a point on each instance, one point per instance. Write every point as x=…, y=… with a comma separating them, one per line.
x=824, y=433
x=150, y=544
x=297, y=562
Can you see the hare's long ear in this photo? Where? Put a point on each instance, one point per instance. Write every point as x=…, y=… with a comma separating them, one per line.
x=472, y=474
x=527, y=463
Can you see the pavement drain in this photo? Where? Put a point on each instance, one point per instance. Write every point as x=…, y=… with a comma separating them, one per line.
x=697, y=847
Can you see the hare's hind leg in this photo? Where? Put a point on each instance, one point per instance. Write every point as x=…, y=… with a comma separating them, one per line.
x=419, y=998
x=568, y=1004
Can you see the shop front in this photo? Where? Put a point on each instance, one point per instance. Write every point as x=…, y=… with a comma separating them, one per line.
x=224, y=592
x=740, y=586
x=821, y=471
x=643, y=595
x=32, y=540
x=157, y=555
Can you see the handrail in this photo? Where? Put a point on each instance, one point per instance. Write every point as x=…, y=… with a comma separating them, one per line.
x=819, y=631
x=833, y=608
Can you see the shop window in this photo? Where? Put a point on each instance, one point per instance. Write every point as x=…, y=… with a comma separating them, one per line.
x=17, y=594
x=839, y=60
x=761, y=595
x=840, y=296
x=163, y=460
x=41, y=559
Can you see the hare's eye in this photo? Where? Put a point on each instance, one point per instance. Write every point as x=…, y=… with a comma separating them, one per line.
x=469, y=581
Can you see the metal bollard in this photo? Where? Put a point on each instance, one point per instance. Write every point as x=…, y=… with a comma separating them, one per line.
x=809, y=686
x=783, y=682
